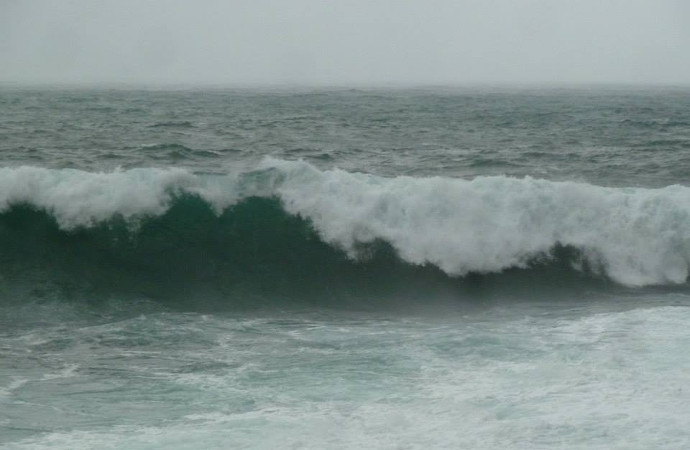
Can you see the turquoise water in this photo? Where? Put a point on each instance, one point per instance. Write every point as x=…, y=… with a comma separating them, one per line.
x=344, y=269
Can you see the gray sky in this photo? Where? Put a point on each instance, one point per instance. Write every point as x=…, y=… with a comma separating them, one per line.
x=347, y=42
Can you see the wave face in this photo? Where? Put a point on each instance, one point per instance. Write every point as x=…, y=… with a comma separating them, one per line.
x=288, y=228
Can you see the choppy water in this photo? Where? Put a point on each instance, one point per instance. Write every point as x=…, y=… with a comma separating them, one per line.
x=344, y=269
x=611, y=137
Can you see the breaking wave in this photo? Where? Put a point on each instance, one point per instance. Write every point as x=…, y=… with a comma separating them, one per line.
x=287, y=228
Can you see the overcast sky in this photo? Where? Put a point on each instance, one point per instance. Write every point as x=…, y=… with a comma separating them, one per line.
x=346, y=42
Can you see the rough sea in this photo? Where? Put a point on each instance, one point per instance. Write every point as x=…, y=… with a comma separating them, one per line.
x=345, y=268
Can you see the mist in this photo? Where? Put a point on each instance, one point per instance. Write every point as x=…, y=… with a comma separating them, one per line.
x=358, y=42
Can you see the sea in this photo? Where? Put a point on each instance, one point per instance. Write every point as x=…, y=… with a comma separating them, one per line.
x=333, y=268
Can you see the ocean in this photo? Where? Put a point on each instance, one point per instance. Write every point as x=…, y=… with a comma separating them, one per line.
x=484, y=268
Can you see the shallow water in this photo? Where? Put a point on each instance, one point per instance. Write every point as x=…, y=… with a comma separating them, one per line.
x=513, y=376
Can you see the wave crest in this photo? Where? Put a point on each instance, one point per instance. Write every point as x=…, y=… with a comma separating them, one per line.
x=634, y=236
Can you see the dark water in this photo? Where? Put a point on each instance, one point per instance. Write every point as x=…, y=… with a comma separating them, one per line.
x=448, y=268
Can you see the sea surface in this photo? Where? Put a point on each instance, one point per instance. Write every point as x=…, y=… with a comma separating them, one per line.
x=486, y=268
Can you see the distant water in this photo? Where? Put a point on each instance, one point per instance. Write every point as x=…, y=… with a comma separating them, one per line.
x=449, y=268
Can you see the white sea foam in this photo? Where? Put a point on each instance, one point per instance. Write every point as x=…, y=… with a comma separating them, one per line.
x=510, y=378
x=78, y=198
x=635, y=236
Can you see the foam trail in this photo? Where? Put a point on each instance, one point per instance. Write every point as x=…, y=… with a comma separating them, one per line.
x=635, y=236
